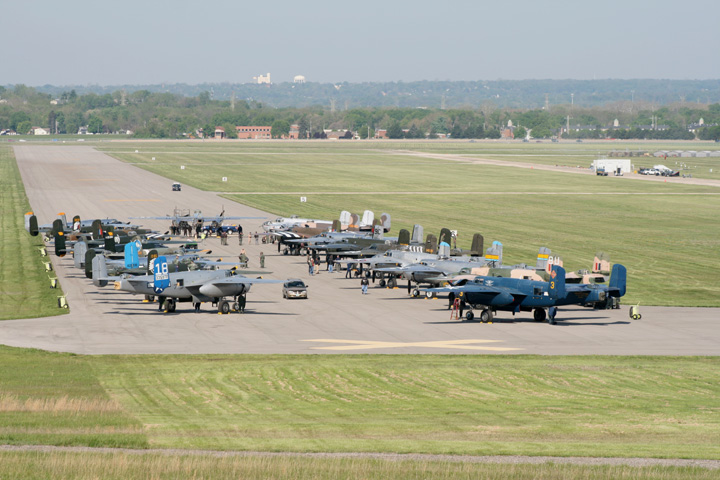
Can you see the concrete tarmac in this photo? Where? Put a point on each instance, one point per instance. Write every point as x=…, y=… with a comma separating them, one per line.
x=336, y=318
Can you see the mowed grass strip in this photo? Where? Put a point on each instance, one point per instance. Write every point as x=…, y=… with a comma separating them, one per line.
x=462, y=405
x=24, y=284
x=121, y=466
x=56, y=399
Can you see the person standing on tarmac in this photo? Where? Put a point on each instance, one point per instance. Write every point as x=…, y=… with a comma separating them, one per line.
x=242, y=300
x=364, y=284
x=262, y=260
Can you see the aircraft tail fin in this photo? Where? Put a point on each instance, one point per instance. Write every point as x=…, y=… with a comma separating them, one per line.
x=345, y=218
x=431, y=244
x=354, y=222
x=337, y=225
x=403, y=237
x=378, y=231
x=542, y=258
x=618, y=279
x=601, y=263
x=99, y=271
x=90, y=254
x=61, y=216
x=476, y=249
x=445, y=236
x=557, y=282
x=76, y=223
x=60, y=248
x=367, y=219
x=132, y=259
x=57, y=226
x=79, y=252
x=31, y=224
x=385, y=220
x=493, y=254
x=151, y=256
x=417, y=234
x=444, y=249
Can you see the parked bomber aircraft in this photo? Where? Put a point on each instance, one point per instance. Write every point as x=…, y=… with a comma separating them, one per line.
x=192, y=286
x=196, y=218
x=94, y=227
x=491, y=294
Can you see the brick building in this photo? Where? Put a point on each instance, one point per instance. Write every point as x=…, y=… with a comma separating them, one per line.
x=254, y=132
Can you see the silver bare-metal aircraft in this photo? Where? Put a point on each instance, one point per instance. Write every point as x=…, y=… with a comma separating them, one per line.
x=192, y=286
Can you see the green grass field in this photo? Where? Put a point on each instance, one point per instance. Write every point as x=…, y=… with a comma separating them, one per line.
x=663, y=407
x=24, y=284
x=667, y=234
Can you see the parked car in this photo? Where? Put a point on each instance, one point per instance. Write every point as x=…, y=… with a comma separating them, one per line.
x=176, y=187
x=601, y=172
x=294, y=289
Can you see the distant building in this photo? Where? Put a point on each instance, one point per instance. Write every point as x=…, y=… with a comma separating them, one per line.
x=39, y=131
x=298, y=79
x=219, y=132
x=294, y=132
x=381, y=133
x=260, y=79
x=254, y=132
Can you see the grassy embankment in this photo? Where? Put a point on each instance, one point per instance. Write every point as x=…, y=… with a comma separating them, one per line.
x=462, y=405
x=667, y=234
x=24, y=283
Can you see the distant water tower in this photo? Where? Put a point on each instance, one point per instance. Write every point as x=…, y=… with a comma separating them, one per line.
x=299, y=79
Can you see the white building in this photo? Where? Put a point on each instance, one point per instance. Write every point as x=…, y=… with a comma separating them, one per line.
x=299, y=79
x=260, y=79
x=611, y=165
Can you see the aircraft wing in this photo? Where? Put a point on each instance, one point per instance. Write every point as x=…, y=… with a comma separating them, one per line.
x=230, y=286
x=409, y=269
x=220, y=219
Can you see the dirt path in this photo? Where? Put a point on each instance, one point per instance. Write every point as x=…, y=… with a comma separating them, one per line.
x=395, y=457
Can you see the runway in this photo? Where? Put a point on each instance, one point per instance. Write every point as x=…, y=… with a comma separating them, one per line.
x=335, y=319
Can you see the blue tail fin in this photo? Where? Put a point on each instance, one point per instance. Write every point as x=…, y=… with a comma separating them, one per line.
x=557, y=282
x=618, y=279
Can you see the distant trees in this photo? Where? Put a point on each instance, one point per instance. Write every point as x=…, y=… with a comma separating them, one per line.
x=280, y=128
x=167, y=115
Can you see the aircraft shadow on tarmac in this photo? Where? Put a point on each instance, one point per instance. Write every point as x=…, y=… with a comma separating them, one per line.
x=568, y=322
x=127, y=311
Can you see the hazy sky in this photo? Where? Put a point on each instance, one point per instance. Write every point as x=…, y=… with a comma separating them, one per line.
x=181, y=41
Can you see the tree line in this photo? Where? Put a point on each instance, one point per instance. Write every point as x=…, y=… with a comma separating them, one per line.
x=166, y=115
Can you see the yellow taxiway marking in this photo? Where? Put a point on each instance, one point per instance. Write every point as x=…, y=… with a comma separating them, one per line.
x=369, y=344
x=131, y=200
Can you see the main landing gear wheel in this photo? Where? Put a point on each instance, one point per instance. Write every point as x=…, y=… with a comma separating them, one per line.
x=486, y=316
x=382, y=283
x=169, y=305
x=539, y=315
x=224, y=307
x=236, y=307
x=429, y=294
x=470, y=316
x=392, y=283
x=415, y=293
